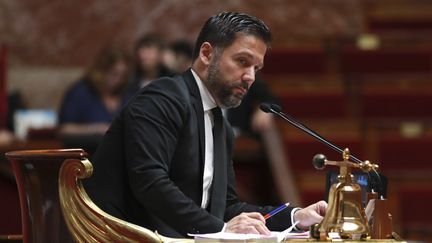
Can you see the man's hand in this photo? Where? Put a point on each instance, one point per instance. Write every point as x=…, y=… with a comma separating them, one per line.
x=310, y=215
x=252, y=223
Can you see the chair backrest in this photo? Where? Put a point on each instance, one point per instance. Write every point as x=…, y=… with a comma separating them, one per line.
x=86, y=221
x=36, y=173
x=55, y=206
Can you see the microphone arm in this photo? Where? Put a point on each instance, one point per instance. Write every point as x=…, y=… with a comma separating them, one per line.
x=275, y=109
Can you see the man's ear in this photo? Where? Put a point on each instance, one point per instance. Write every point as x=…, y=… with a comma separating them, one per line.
x=206, y=53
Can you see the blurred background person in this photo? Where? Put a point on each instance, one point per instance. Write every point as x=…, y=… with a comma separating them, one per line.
x=148, y=62
x=178, y=56
x=14, y=103
x=90, y=105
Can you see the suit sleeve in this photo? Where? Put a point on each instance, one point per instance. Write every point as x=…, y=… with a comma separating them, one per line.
x=153, y=123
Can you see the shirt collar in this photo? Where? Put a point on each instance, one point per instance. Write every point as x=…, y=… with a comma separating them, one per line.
x=207, y=100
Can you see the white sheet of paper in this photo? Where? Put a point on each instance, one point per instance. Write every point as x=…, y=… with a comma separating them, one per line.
x=274, y=237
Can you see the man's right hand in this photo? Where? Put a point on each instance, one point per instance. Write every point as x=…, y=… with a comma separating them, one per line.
x=247, y=223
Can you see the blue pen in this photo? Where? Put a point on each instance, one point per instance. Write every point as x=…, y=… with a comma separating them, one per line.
x=277, y=210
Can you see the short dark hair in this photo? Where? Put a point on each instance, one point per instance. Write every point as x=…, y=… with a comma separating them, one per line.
x=149, y=40
x=221, y=30
x=182, y=47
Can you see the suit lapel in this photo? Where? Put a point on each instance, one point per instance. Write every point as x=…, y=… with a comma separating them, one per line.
x=199, y=112
x=219, y=184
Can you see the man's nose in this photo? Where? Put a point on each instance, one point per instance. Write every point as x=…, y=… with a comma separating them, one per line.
x=249, y=76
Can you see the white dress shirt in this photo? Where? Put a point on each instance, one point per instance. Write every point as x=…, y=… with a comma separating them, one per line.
x=208, y=104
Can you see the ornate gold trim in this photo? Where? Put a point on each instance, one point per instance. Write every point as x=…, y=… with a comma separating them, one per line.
x=86, y=221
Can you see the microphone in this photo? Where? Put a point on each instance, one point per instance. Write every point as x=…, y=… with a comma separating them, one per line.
x=319, y=159
x=275, y=109
x=266, y=107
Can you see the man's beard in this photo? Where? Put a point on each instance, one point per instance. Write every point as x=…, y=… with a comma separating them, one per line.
x=223, y=90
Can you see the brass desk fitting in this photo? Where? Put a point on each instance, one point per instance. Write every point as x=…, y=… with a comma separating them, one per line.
x=345, y=214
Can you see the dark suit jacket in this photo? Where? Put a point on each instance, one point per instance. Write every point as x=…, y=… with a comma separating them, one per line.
x=148, y=169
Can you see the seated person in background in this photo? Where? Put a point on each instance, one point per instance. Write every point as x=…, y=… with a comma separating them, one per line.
x=14, y=103
x=148, y=64
x=178, y=56
x=90, y=105
x=160, y=165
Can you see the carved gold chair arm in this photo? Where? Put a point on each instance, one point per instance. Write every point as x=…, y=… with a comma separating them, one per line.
x=86, y=221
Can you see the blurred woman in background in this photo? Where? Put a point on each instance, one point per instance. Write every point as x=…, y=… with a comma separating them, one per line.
x=90, y=104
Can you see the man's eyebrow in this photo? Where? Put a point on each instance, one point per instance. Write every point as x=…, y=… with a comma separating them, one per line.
x=248, y=54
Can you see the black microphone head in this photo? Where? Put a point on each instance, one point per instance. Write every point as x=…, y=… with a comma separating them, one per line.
x=318, y=161
x=276, y=108
x=265, y=107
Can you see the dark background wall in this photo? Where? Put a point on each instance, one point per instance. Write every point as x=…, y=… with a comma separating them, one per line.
x=64, y=33
x=50, y=42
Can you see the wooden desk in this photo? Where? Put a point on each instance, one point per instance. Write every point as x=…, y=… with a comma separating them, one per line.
x=5, y=169
x=10, y=220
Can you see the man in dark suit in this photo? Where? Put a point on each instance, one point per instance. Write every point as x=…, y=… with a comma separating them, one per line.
x=161, y=166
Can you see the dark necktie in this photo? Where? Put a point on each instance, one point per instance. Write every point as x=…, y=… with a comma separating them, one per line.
x=219, y=184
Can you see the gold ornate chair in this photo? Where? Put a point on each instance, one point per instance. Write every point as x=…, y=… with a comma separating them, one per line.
x=85, y=221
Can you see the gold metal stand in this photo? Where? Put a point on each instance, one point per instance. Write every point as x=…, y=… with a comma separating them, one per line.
x=345, y=216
